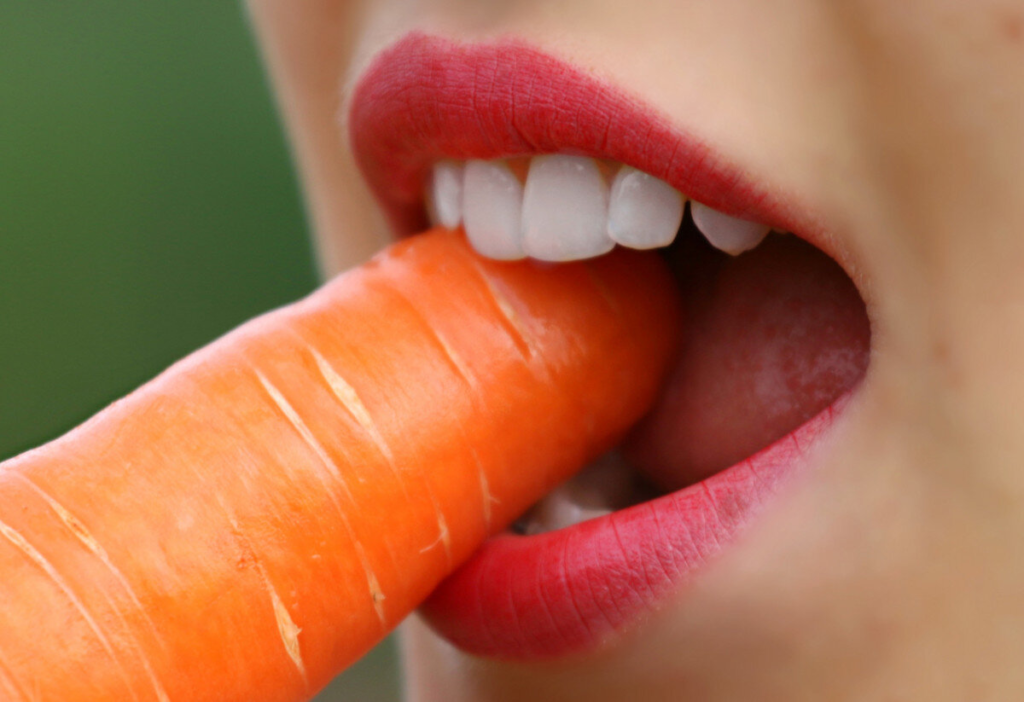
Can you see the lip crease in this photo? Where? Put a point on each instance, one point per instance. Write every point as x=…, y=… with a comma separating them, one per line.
x=427, y=98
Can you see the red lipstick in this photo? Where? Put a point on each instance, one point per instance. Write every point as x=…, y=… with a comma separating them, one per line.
x=530, y=597
x=527, y=597
x=426, y=98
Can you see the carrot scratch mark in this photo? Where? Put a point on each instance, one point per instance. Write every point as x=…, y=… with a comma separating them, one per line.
x=79, y=530
x=376, y=595
x=304, y=431
x=286, y=627
x=431, y=546
x=443, y=538
x=350, y=399
x=485, y=488
x=453, y=358
x=446, y=537
x=460, y=365
x=602, y=287
x=467, y=377
x=513, y=324
x=9, y=682
x=22, y=544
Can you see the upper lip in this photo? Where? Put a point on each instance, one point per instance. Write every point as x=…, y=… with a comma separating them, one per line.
x=426, y=98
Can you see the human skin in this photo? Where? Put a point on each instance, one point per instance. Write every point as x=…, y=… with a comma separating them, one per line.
x=893, y=571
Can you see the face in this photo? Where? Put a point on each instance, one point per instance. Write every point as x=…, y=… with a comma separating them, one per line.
x=883, y=560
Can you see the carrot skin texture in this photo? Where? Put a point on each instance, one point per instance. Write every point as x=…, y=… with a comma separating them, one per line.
x=253, y=520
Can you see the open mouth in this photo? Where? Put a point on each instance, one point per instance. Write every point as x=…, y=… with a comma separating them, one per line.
x=533, y=158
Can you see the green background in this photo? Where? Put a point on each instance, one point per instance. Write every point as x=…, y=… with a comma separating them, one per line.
x=147, y=205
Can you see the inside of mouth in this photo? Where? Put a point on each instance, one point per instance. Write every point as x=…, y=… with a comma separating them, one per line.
x=774, y=337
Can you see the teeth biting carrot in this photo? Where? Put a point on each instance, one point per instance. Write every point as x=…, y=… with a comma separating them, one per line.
x=256, y=518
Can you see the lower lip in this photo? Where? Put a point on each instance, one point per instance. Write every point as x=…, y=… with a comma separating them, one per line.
x=569, y=591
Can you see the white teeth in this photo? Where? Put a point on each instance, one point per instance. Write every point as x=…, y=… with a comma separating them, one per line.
x=730, y=234
x=593, y=493
x=446, y=194
x=644, y=212
x=492, y=211
x=558, y=511
x=565, y=209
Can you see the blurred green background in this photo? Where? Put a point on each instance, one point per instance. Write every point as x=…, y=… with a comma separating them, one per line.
x=147, y=205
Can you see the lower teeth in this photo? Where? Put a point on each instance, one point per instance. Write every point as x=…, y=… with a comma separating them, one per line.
x=607, y=484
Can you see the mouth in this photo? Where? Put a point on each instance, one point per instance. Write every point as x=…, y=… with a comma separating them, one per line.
x=534, y=158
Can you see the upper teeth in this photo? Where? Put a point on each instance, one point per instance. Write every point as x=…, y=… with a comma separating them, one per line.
x=567, y=210
x=730, y=234
x=493, y=210
x=446, y=194
x=645, y=212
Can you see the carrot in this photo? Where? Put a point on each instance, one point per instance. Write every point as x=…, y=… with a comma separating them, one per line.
x=258, y=516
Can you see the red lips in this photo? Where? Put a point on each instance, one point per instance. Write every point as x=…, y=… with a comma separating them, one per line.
x=426, y=99
x=526, y=597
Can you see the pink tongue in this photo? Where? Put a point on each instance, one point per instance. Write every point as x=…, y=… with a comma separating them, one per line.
x=774, y=337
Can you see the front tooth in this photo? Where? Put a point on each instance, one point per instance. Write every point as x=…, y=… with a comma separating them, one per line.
x=730, y=234
x=446, y=194
x=565, y=209
x=492, y=210
x=644, y=212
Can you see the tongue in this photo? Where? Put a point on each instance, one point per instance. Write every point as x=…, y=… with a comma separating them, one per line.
x=774, y=337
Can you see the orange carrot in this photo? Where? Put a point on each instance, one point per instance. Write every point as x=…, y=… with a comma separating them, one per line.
x=257, y=517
